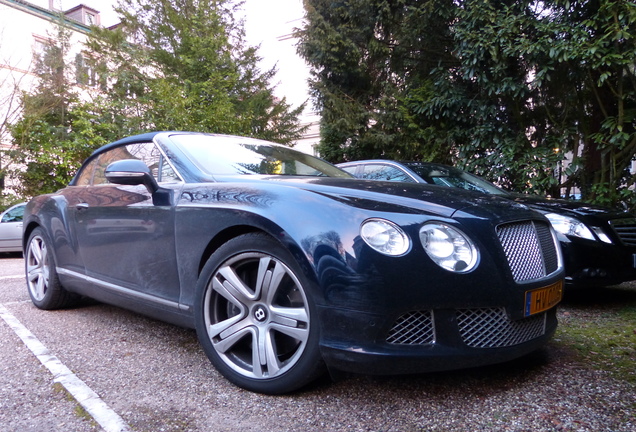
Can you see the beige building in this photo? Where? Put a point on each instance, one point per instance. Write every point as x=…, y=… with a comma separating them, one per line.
x=26, y=27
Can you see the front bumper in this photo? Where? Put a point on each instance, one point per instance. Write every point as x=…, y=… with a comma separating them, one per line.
x=453, y=339
x=590, y=264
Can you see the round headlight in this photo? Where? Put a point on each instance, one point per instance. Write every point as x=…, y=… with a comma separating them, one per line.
x=448, y=247
x=385, y=237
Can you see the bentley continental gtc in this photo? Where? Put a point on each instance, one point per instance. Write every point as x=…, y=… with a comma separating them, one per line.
x=288, y=267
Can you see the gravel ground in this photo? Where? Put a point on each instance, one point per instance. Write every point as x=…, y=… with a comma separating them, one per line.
x=156, y=377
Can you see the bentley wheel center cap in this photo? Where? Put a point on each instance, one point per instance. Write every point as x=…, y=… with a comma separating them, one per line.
x=260, y=314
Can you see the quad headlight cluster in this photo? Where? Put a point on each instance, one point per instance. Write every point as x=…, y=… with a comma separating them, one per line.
x=447, y=246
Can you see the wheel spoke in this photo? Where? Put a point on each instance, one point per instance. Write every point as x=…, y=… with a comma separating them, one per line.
x=266, y=354
x=36, y=251
x=263, y=276
x=228, y=327
x=226, y=344
x=33, y=272
x=44, y=256
x=233, y=286
x=273, y=283
x=298, y=333
x=289, y=316
x=40, y=288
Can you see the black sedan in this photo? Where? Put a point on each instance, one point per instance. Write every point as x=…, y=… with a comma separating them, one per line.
x=599, y=244
x=287, y=266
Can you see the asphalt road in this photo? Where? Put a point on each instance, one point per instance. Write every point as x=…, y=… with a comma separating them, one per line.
x=150, y=376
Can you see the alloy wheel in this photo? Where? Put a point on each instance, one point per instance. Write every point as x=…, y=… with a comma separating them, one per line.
x=257, y=315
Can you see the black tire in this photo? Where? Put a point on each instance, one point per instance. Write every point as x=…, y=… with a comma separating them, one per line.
x=251, y=293
x=43, y=284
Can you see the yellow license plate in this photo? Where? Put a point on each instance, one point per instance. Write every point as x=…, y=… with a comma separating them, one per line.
x=541, y=299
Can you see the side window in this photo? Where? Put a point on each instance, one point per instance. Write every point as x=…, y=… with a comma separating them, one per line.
x=14, y=215
x=106, y=159
x=386, y=173
x=154, y=159
x=350, y=169
x=146, y=152
x=85, y=177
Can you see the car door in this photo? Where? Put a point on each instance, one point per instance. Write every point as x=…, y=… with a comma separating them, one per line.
x=127, y=243
x=11, y=229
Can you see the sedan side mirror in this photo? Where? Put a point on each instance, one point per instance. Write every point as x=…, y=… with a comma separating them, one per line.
x=133, y=172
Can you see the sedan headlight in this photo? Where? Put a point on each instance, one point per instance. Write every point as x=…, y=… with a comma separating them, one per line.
x=573, y=227
x=385, y=237
x=448, y=247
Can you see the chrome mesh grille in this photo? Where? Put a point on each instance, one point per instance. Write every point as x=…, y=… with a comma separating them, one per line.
x=626, y=230
x=491, y=328
x=529, y=248
x=413, y=328
x=548, y=247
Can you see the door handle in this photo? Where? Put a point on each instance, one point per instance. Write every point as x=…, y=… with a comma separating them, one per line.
x=81, y=206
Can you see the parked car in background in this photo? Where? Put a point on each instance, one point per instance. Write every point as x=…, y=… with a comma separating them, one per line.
x=11, y=228
x=599, y=244
x=286, y=265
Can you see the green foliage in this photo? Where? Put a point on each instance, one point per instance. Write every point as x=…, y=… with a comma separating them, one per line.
x=541, y=76
x=370, y=63
x=505, y=88
x=185, y=66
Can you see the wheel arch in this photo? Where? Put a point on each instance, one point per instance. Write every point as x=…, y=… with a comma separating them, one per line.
x=221, y=238
x=280, y=236
x=26, y=233
x=277, y=234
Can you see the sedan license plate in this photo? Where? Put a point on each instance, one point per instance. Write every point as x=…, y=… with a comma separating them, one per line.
x=541, y=299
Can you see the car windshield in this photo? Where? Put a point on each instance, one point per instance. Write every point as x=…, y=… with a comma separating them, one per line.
x=224, y=155
x=452, y=177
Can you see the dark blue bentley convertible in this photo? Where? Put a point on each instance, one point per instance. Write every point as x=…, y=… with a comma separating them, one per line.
x=287, y=266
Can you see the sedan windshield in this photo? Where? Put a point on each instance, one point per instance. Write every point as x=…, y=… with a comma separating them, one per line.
x=224, y=155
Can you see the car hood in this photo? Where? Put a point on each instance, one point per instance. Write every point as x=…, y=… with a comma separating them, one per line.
x=571, y=208
x=399, y=197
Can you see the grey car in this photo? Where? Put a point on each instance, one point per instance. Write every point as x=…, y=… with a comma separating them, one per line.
x=11, y=228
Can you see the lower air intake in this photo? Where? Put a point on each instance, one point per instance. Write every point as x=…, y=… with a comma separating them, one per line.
x=491, y=328
x=413, y=328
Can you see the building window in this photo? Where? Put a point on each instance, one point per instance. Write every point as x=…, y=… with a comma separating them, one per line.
x=86, y=71
x=47, y=58
x=42, y=47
